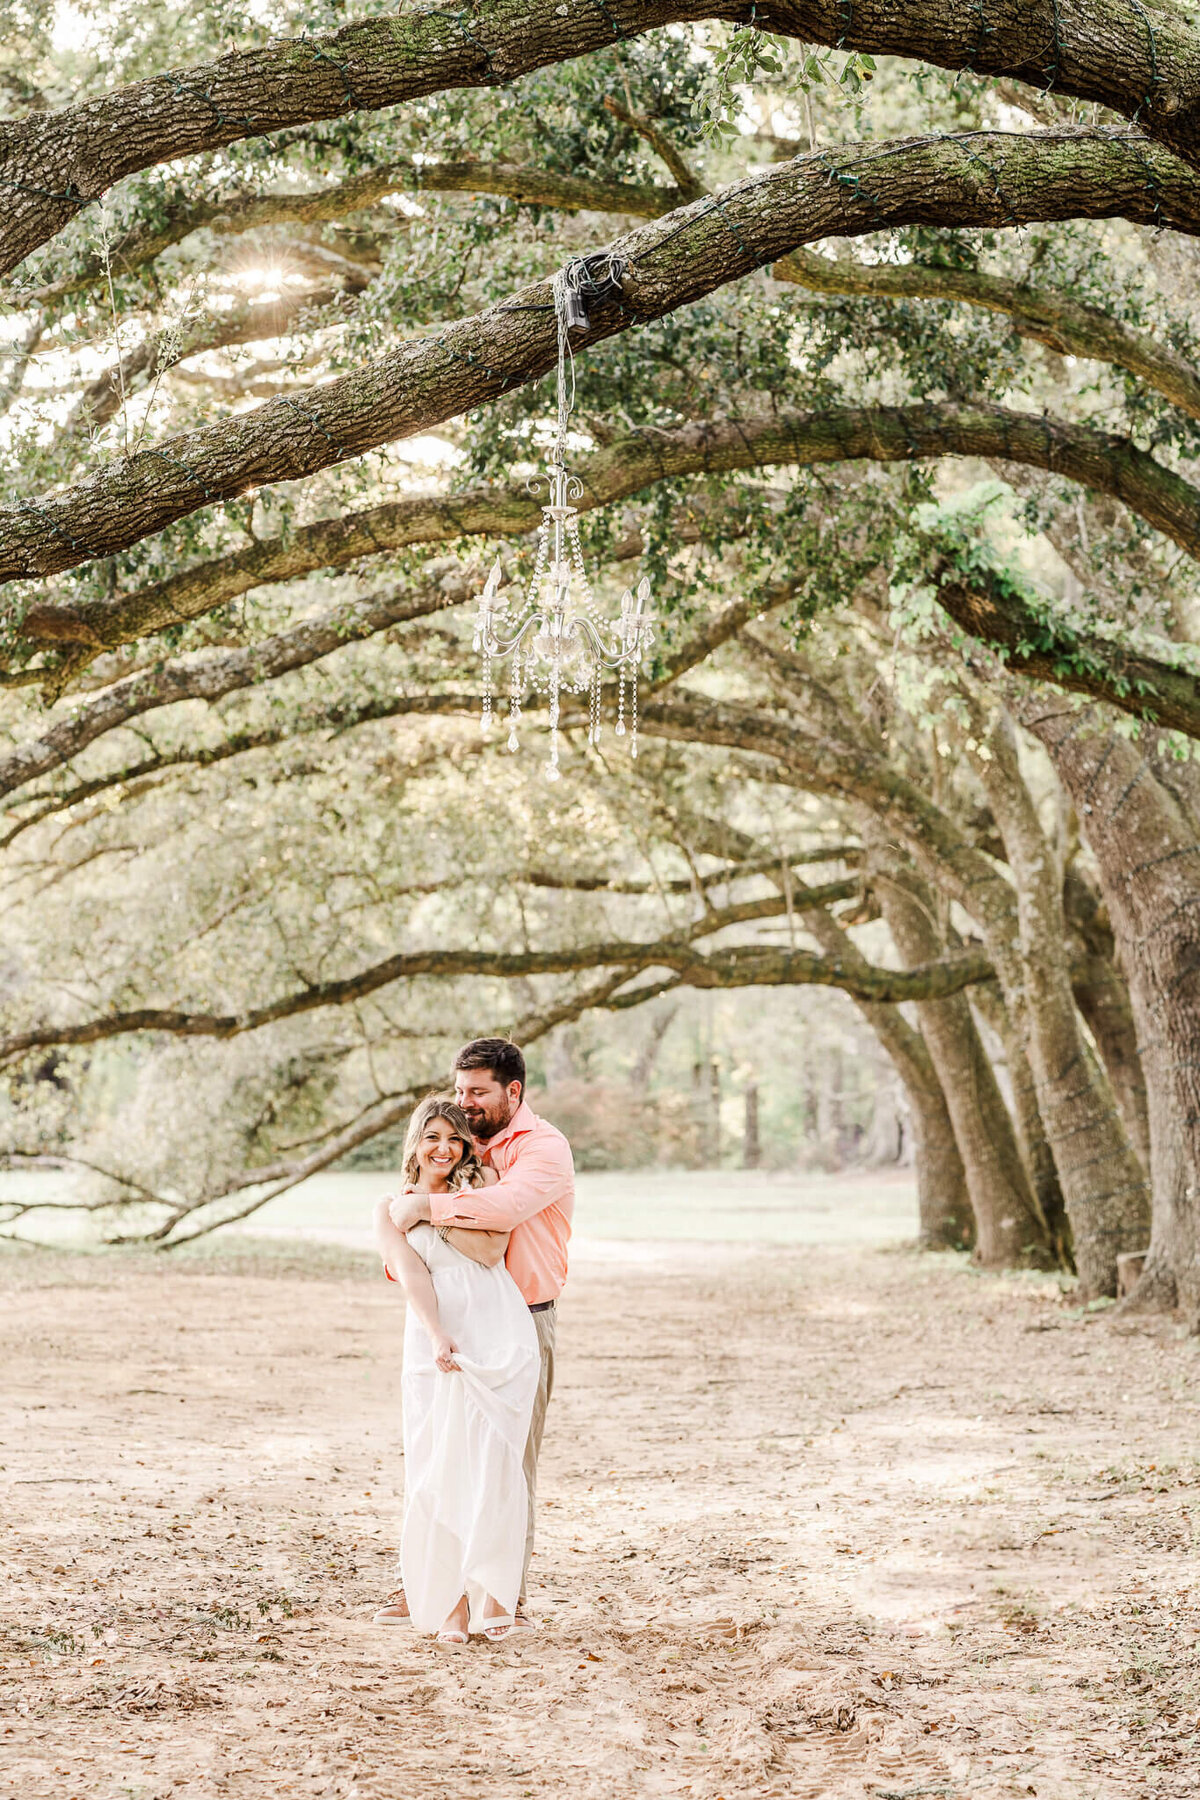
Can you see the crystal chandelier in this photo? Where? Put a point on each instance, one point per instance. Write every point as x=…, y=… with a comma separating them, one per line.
x=557, y=636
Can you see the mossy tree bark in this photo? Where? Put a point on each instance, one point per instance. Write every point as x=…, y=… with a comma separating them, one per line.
x=1142, y=685
x=665, y=264
x=748, y=965
x=1102, y=996
x=1036, y=1153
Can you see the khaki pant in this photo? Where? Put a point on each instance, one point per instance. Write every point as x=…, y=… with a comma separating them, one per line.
x=545, y=1323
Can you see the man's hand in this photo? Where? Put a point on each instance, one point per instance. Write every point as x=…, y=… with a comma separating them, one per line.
x=407, y=1210
x=444, y=1348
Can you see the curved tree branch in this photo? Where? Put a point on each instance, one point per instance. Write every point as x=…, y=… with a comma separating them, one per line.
x=982, y=178
x=989, y=606
x=1145, y=66
x=245, y=324
x=689, y=184
x=1135, y=682
x=1097, y=460
x=135, y=778
x=1047, y=315
x=749, y=965
x=334, y=719
x=812, y=750
x=211, y=677
x=231, y=215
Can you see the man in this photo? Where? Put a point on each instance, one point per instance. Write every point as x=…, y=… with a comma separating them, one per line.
x=533, y=1200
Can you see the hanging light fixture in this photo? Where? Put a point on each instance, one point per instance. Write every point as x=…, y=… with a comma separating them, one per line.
x=557, y=636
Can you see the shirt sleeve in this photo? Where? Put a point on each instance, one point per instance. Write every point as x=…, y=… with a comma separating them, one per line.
x=542, y=1175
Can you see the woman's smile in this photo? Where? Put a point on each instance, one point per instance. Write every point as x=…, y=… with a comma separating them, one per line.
x=440, y=1149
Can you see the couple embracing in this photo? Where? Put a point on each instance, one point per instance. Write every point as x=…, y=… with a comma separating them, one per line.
x=478, y=1241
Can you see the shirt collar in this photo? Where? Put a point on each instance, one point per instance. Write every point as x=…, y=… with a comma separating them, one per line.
x=524, y=1119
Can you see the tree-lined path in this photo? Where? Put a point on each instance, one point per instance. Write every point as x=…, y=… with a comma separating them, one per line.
x=942, y=1546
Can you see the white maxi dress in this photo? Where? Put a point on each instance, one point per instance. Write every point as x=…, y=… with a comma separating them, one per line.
x=465, y=1502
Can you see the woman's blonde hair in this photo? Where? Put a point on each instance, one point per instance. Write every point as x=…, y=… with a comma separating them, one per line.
x=468, y=1171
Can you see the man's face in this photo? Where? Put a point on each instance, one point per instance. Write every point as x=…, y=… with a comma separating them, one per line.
x=488, y=1105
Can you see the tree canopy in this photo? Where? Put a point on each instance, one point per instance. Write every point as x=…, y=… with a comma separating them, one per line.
x=891, y=384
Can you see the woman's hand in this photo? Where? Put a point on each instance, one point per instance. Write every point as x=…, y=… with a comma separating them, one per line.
x=407, y=1209
x=444, y=1348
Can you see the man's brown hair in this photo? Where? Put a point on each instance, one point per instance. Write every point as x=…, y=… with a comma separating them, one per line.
x=497, y=1054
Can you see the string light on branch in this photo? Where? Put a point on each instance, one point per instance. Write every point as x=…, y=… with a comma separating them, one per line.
x=554, y=632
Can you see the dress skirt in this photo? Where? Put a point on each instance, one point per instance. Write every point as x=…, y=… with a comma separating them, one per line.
x=465, y=1500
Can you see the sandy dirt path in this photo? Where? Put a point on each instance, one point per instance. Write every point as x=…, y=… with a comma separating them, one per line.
x=814, y=1523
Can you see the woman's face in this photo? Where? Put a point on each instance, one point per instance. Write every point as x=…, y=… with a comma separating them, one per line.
x=440, y=1149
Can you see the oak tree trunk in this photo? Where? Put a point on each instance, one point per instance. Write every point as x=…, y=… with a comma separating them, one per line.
x=1140, y=816
x=751, y=1141
x=1103, y=1184
x=1031, y=1129
x=1102, y=996
x=946, y=1220
x=1010, y=1231
x=943, y=1201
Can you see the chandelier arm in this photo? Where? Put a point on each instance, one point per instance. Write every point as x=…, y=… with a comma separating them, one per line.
x=599, y=650
x=625, y=661
x=504, y=647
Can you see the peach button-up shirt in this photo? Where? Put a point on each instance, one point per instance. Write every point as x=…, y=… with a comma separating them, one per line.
x=533, y=1199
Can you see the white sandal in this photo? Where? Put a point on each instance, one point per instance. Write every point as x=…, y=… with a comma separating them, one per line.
x=497, y=1629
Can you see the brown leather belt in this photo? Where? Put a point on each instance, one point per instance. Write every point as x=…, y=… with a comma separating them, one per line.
x=542, y=1306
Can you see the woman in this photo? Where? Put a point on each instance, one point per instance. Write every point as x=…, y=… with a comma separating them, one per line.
x=470, y=1375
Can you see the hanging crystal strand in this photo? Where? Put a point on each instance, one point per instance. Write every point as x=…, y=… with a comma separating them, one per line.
x=514, y=702
x=594, y=709
x=539, y=565
x=633, y=709
x=621, y=701
x=555, y=670
x=485, y=723
x=585, y=586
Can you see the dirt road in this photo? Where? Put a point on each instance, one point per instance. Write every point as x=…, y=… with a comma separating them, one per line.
x=814, y=1523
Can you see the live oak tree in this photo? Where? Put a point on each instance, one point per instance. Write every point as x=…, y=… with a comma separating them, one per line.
x=904, y=495
x=58, y=164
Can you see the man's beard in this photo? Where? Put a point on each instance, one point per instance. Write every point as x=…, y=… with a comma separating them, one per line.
x=486, y=1125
